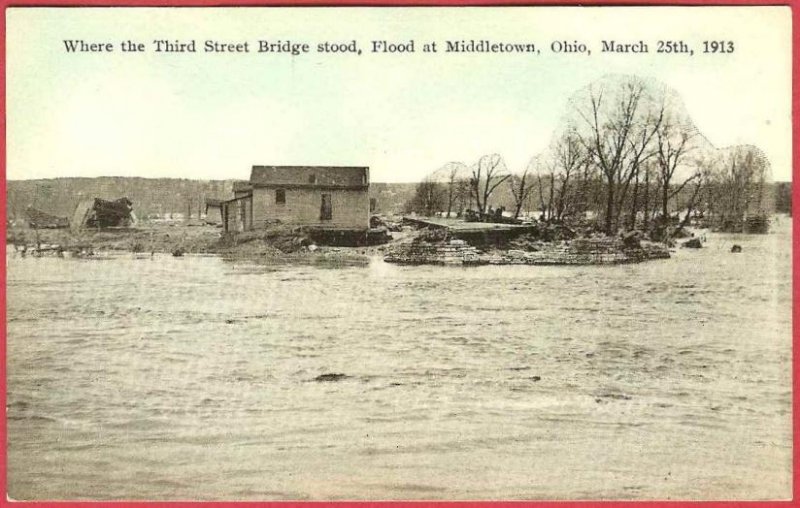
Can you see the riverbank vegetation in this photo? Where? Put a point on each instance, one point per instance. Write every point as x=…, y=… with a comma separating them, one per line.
x=626, y=157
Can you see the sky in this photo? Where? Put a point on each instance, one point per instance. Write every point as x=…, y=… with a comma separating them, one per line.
x=213, y=115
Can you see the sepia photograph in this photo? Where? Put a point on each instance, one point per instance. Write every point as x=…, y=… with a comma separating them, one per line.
x=399, y=253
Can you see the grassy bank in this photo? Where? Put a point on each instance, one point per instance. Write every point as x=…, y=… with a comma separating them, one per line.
x=279, y=243
x=147, y=238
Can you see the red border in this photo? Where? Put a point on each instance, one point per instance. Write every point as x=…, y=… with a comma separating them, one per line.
x=793, y=4
x=384, y=3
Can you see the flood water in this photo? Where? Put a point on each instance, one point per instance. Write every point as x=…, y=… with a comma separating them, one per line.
x=193, y=378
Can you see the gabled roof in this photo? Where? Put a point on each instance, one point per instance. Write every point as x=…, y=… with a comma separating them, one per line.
x=334, y=177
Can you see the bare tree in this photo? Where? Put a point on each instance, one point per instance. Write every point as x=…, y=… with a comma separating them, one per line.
x=544, y=168
x=487, y=174
x=568, y=154
x=625, y=122
x=521, y=186
x=463, y=195
x=648, y=181
x=608, y=112
x=455, y=176
x=701, y=179
x=675, y=139
x=650, y=119
x=587, y=188
x=738, y=187
x=545, y=196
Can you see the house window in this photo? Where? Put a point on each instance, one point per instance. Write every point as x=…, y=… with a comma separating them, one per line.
x=280, y=196
x=326, y=208
x=312, y=179
x=373, y=204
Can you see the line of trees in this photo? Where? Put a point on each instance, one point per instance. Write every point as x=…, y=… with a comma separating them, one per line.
x=626, y=156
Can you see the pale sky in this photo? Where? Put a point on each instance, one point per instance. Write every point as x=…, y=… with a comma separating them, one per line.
x=213, y=116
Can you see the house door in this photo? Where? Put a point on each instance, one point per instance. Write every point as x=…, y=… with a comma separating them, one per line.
x=326, y=209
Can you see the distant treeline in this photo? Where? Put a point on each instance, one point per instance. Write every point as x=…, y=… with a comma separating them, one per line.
x=783, y=197
x=165, y=196
x=59, y=196
x=431, y=198
x=153, y=196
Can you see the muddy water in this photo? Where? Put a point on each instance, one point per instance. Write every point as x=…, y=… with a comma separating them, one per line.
x=193, y=378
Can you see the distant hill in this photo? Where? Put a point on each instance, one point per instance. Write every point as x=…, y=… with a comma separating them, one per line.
x=59, y=196
x=391, y=196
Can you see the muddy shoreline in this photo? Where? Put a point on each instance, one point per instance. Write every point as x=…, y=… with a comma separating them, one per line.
x=284, y=244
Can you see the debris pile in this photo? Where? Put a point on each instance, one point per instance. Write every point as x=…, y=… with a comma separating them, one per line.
x=456, y=252
x=693, y=243
x=99, y=213
x=756, y=224
x=38, y=219
x=331, y=377
x=581, y=251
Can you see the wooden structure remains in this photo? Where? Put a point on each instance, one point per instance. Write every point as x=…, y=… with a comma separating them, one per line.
x=100, y=213
x=237, y=214
x=213, y=211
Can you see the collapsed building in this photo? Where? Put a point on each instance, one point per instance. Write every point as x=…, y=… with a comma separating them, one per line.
x=99, y=213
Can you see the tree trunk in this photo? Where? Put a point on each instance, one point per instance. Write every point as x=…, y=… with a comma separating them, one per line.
x=450, y=200
x=634, y=203
x=646, y=218
x=690, y=207
x=609, y=206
